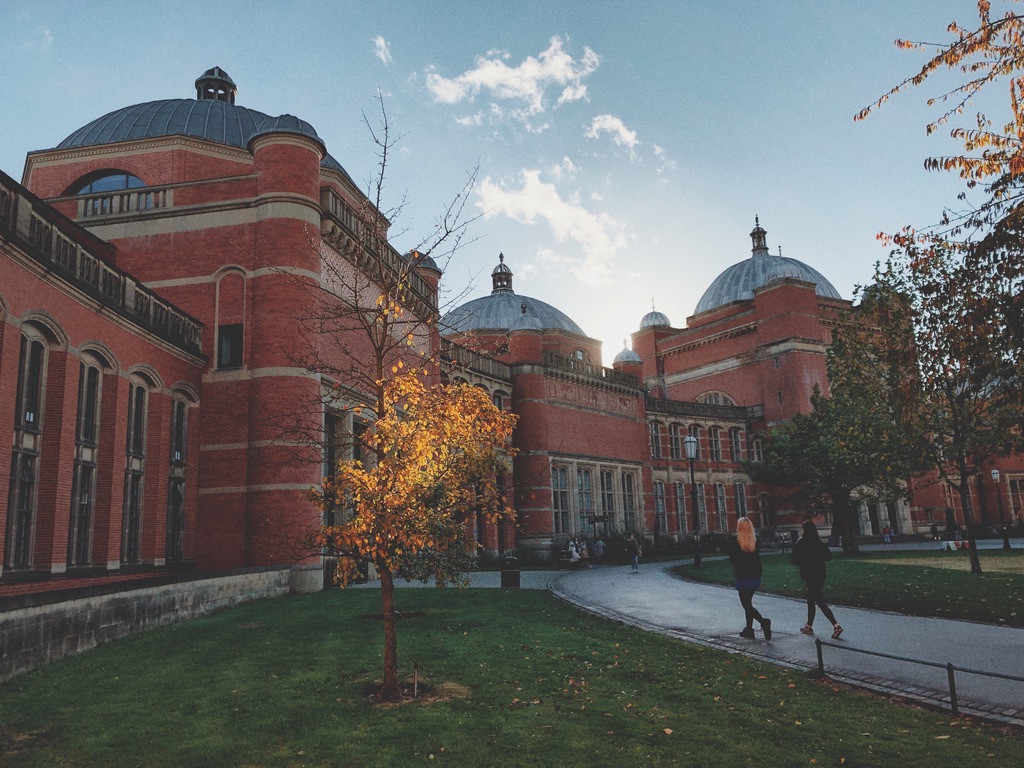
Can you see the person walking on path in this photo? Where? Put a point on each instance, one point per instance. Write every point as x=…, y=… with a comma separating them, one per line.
x=810, y=555
x=598, y=551
x=745, y=554
x=633, y=549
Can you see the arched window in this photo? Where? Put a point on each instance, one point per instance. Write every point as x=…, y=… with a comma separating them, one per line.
x=702, y=507
x=723, y=522
x=105, y=181
x=585, y=499
x=715, y=443
x=135, y=470
x=180, y=403
x=676, y=441
x=680, y=491
x=560, y=498
x=87, y=451
x=660, y=519
x=695, y=433
x=629, y=500
x=28, y=427
x=736, y=444
x=741, y=499
x=655, y=430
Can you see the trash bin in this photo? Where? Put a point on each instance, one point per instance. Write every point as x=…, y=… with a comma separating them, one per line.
x=510, y=578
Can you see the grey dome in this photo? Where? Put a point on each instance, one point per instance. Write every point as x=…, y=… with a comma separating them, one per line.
x=655, y=319
x=739, y=281
x=627, y=355
x=504, y=311
x=209, y=118
x=421, y=260
x=287, y=124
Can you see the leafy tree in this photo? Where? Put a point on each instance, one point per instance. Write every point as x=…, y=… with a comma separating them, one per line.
x=964, y=395
x=434, y=456
x=988, y=230
x=851, y=446
x=408, y=459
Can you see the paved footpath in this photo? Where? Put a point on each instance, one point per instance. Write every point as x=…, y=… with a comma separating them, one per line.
x=658, y=601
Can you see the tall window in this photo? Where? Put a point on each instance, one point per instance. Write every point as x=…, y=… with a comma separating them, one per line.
x=560, y=498
x=715, y=443
x=131, y=532
x=229, y=345
x=629, y=501
x=655, y=430
x=695, y=433
x=608, y=498
x=758, y=450
x=680, y=492
x=1016, y=498
x=28, y=423
x=86, y=453
x=585, y=499
x=176, y=490
x=659, y=507
x=676, y=439
x=741, y=499
x=735, y=444
x=723, y=523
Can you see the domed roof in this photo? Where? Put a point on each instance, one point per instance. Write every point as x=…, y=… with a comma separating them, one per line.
x=655, y=319
x=503, y=311
x=421, y=260
x=739, y=281
x=212, y=115
x=627, y=355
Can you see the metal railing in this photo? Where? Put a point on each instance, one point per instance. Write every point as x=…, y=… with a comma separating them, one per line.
x=950, y=668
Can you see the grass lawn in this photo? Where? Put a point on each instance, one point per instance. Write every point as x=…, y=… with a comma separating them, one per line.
x=521, y=680
x=916, y=583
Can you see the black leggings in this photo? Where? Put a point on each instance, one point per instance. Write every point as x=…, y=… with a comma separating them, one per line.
x=816, y=598
x=747, y=601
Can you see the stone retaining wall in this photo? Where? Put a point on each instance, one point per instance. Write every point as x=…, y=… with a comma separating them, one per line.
x=38, y=634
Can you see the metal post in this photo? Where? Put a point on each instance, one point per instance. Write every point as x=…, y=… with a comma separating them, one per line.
x=821, y=658
x=952, y=690
x=1002, y=518
x=698, y=561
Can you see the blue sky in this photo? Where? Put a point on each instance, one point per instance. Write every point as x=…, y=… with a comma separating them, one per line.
x=623, y=149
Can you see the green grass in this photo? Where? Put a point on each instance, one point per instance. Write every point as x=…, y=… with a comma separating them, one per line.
x=914, y=583
x=528, y=680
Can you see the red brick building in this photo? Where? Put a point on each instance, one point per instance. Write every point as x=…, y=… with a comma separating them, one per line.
x=155, y=268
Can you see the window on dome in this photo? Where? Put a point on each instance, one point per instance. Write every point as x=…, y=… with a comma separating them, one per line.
x=106, y=181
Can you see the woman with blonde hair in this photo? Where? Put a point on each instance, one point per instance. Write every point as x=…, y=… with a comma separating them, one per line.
x=745, y=554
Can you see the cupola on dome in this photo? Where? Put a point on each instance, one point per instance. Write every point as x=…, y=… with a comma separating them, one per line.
x=505, y=311
x=739, y=281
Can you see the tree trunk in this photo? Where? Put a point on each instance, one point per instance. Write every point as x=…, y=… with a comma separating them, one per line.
x=389, y=689
x=844, y=522
x=972, y=548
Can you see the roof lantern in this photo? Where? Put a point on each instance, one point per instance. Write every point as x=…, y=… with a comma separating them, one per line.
x=501, y=277
x=216, y=85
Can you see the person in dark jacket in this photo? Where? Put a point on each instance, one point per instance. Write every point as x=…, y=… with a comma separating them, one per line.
x=745, y=554
x=810, y=554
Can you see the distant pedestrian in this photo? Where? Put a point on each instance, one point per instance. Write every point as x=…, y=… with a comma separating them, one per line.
x=885, y=534
x=745, y=554
x=633, y=550
x=935, y=532
x=574, y=551
x=810, y=554
x=584, y=553
x=784, y=540
x=598, y=550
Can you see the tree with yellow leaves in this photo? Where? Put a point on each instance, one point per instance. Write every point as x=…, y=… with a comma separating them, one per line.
x=433, y=457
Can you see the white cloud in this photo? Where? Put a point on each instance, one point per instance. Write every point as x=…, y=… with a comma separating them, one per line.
x=599, y=236
x=565, y=168
x=382, y=49
x=610, y=124
x=470, y=120
x=525, y=85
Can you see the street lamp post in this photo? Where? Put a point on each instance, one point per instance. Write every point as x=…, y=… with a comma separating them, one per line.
x=690, y=446
x=1002, y=519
